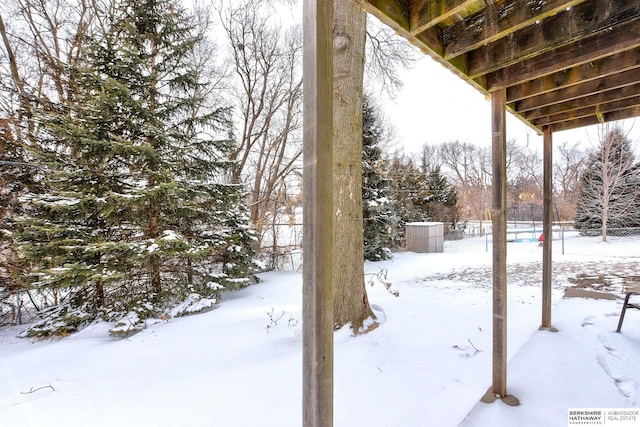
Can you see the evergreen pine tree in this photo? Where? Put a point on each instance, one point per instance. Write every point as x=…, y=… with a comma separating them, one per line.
x=138, y=214
x=442, y=207
x=378, y=213
x=17, y=176
x=609, y=187
x=410, y=193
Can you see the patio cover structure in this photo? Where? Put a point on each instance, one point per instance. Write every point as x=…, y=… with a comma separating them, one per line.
x=554, y=64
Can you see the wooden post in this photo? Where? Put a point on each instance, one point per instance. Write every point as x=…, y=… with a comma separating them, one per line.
x=499, y=225
x=317, y=328
x=547, y=229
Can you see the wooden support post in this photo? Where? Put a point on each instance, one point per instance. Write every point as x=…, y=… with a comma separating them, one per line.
x=547, y=227
x=317, y=326
x=498, y=389
x=499, y=225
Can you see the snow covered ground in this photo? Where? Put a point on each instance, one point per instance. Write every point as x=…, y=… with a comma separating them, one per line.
x=428, y=364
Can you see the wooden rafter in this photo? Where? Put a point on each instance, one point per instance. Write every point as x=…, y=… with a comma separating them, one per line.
x=606, y=43
x=495, y=23
x=427, y=14
x=586, y=101
x=612, y=116
x=542, y=52
x=604, y=67
x=575, y=92
x=565, y=29
x=592, y=110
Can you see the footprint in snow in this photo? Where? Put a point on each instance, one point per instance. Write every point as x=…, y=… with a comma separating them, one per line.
x=605, y=343
x=588, y=321
x=609, y=368
x=627, y=388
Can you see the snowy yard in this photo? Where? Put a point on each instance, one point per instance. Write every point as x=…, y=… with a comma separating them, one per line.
x=428, y=363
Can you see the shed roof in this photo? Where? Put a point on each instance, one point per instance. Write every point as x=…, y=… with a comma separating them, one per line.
x=565, y=63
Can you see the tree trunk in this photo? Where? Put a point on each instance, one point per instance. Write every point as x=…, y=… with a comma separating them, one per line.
x=99, y=294
x=156, y=284
x=154, y=260
x=350, y=297
x=606, y=186
x=12, y=63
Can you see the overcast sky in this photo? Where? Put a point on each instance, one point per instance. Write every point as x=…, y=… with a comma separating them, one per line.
x=436, y=106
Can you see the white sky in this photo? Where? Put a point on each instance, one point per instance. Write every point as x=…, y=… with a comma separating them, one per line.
x=436, y=106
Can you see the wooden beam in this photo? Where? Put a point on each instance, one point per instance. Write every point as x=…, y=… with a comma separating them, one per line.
x=564, y=29
x=592, y=87
x=433, y=39
x=604, y=67
x=496, y=21
x=609, y=107
x=547, y=195
x=587, y=101
x=626, y=113
x=429, y=42
x=317, y=325
x=499, y=226
x=394, y=13
x=620, y=38
x=428, y=13
x=593, y=120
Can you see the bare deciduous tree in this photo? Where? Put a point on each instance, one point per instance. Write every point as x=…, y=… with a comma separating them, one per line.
x=386, y=53
x=39, y=38
x=469, y=169
x=267, y=92
x=50, y=34
x=569, y=160
x=429, y=158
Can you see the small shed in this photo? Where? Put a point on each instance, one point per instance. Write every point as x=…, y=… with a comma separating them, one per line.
x=424, y=237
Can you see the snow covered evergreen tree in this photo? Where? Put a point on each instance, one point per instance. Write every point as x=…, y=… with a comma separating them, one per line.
x=17, y=177
x=379, y=216
x=609, y=193
x=138, y=213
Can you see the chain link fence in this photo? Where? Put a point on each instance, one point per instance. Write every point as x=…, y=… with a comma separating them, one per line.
x=615, y=242
x=286, y=252
x=623, y=242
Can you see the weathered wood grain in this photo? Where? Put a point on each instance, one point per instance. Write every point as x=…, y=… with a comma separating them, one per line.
x=497, y=21
x=563, y=29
